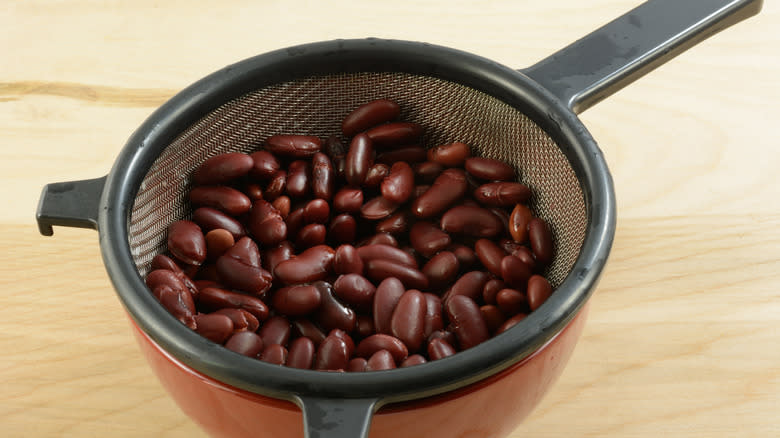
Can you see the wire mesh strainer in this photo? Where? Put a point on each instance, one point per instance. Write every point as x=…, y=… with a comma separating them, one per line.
x=526, y=118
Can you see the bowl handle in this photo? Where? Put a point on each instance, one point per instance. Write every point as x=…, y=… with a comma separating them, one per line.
x=622, y=51
x=337, y=418
x=70, y=204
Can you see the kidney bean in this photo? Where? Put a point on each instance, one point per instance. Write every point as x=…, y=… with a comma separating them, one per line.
x=471, y=221
x=242, y=320
x=333, y=147
x=297, y=300
x=380, y=341
x=348, y=200
x=210, y=218
x=450, y=155
x=398, y=185
x=311, y=235
x=408, y=321
x=275, y=330
x=489, y=169
x=283, y=205
x=427, y=239
x=419, y=190
x=502, y=216
x=439, y=349
x=381, y=360
x=446, y=189
x=298, y=181
x=316, y=211
x=223, y=198
x=409, y=154
x=339, y=166
x=502, y=194
x=178, y=302
x=266, y=223
x=164, y=277
x=186, y=242
x=162, y=261
x=441, y=270
x=323, y=176
x=466, y=256
x=427, y=171
x=313, y=264
x=307, y=329
x=222, y=168
x=364, y=326
x=214, y=326
x=301, y=353
x=515, y=272
x=217, y=242
x=415, y=359
x=368, y=115
x=274, y=256
x=359, y=158
x=379, y=239
x=355, y=290
x=511, y=322
x=444, y=335
x=332, y=314
x=216, y=298
x=492, y=316
x=347, y=339
x=466, y=321
x=378, y=208
x=378, y=251
x=343, y=229
x=394, y=134
x=253, y=191
x=539, y=290
x=379, y=269
x=433, y=314
x=491, y=289
x=240, y=268
x=525, y=254
x=276, y=186
x=540, y=237
x=376, y=173
x=274, y=354
x=511, y=302
x=518, y=223
x=246, y=343
x=396, y=223
x=295, y=221
x=386, y=297
x=469, y=284
x=264, y=164
x=357, y=365
x=296, y=146
x=346, y=260
x=490, y=255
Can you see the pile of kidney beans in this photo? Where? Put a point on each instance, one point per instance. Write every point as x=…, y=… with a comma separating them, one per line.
x=382, y=254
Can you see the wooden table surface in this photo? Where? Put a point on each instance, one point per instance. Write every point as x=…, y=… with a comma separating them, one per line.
x=684, y=335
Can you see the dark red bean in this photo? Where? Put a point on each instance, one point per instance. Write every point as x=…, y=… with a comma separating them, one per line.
x=222, y=168
x=297, y=146
x=295, y=221
x=214, y=327
x=186, y=242
x=379, y=239
x=348, y=200
x=427, y=239
x=347, y=260
x=379, y=269
x=311, y=235
x=518, y=223
x=178, y=302
x=427, y=171
x=466, y=321
x=354, y=289
x=395, y=134
x=253, y=191
x=471, y=221
x=441, y=270
x=449, y=187
x=490, y=290
x=381, y=360
x=165, y=277
x=246, y=343
x=469, y=284
x=539, y=290
x=274, y=256
x=275, y=354
x=364, y=326
x=303, y=327
x=378, y=208
x=332, y=314
x=217, y=242
x=511, y=302
x=433, y=314
x=342, y=229
x=357, y=365
x=515, y=272
x=444, y=335
x=492, y=316
x=316, y=211
x=298, y=181
x=502, y=194
x=375, y=175
x=467, y=258
x=323, y=176
x=396, y=223
x=419, y=190
x=275, y=330
x=381, y=341
x=283, y=205
x=408, y=321
x=409, y=154
x=386, y=297
x=359, y=159
x=398, y=185
x=301, y=353
x=489, y=169
x=415, y=359
x=333, y=147
x=266, y=223
x=210, y=218
x=368, y=115
x=311, y=265
x=439, y=349
x=527, y=256
x=511, y=322
x=242, y=320
x=346, y=337
x=216, y=298
x=332, y=354
x=450, y=155
x=276, y=186
x=490, y=255
x=540, y=237
x=264, y=164
x=380, y=251
x=240, y=268
x=223, y=198
x=297, y=300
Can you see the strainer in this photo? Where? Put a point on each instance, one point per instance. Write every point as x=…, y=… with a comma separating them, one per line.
x=527, y=118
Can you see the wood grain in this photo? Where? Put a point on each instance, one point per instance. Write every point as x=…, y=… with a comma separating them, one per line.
x=683, y=332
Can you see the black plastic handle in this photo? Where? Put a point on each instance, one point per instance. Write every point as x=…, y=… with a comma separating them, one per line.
x=70, y=204
x=337, y=418
x=622, y=51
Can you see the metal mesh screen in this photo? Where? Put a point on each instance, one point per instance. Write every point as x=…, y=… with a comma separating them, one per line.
x=315, y=106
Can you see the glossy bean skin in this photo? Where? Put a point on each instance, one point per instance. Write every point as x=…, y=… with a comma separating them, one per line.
x=223, y=198
x=408, y=320
x=186, y=242
x=346, y=337
x=439, y=349
x=217, y=242
x=381, y=360
x=380, y=239
x=214, y=326
x=253, y=191
x=332, y=314
x=357, y=365
x=274, y=354
x=348, y=200
x=398, y=185
x=490, y=290
x=178, y=302
x=277, y=186
x=297, y=300
x=311, y=235
x=376, y=173
x=471, y=221
x=240, y=268
x=364, y=326
x=164, y=277
x=378, y=208
x=409, y=154
x=295, y=221
x=450, y=155
x=466, y=321
x=466, y=256
x=444, y=335
x=272, y=257
x=518, y=223
x=449, y=187
x=304, y=327
x=415, y=359
x=342, y=229
x=275, y=330
x=210, y=218
x=469, y=284
x=539, y=290
x=433, y=314
x=395, y=134
x=493, y=317
x=490, y=255
x=296, y=146
x=381, y=341
x=222, y=168
x=246, y=343
x=266, y=223
x=489, y=169
x=346, y=260
x=369, y=115
x=355, y=290
x=386, y=297
x=511, y=302
x=215, y=298
x=427, y=171
x=511, y=322
x=441, y=269
x=283, y=205
x=396, y=223
x=311, y=265
x=332, y=354
x=540, y=237
x=264, y=164
x=316, y=211
x=380, y=269
x=359, y=159
x=427, y=239
x=515, y=272
x=502, y=194
x=298, y=181
x=242, y=320
x=301, y=353
x=323, y=176
x=379, y=251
